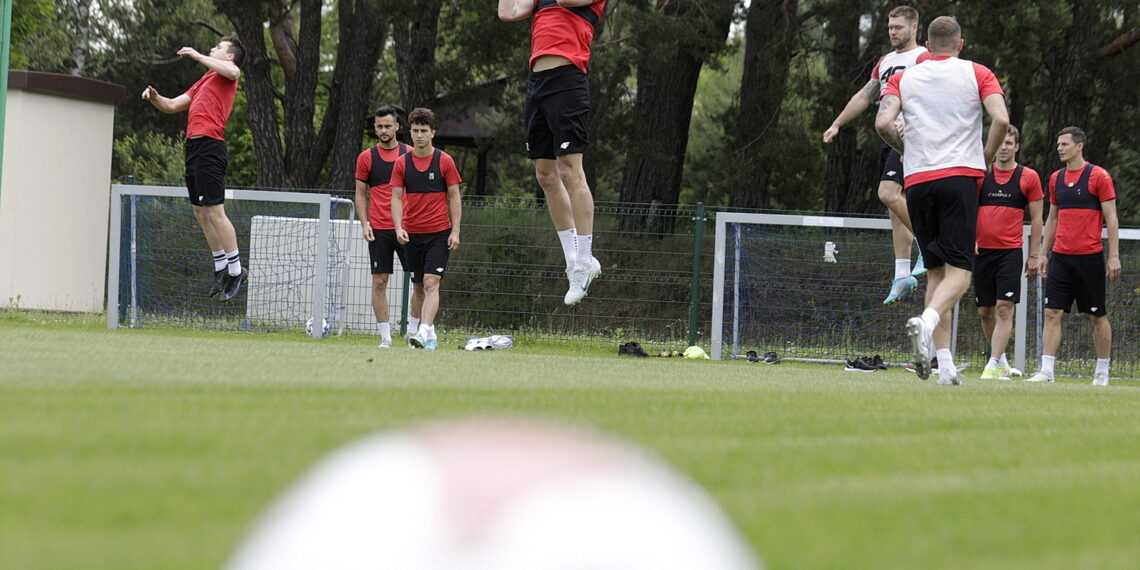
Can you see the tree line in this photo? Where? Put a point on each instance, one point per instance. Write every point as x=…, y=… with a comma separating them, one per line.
x=720, y=101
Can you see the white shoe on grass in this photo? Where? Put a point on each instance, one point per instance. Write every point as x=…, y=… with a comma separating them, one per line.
x=922, y=346
x=1100, y=379
x=1040, y=377
x=580, y=279
x=385, y=343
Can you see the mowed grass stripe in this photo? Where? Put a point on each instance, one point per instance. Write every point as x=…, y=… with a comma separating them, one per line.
x=135, y=449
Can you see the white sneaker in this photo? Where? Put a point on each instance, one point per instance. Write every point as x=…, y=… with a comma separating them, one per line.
x=922, y=346
x=1100, y=379
x=948, y=376
x=580, y=279
x=1040, y=377
x=385, y=343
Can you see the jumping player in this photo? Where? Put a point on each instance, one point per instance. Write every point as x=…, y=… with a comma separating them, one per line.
x=1008, y=190
x=557, y=108
x=209, y=102
x=374, y=202
x=426, y=211
x=902, y=26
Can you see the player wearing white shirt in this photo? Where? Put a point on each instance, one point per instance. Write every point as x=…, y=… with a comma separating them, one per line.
x=903, y=29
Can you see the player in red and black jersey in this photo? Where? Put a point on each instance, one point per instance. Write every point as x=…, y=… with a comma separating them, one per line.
x=426, y=211
x=1008, y=190
x=1082, y=200
x=557, y=108
x=374, y=203
x=209, y=102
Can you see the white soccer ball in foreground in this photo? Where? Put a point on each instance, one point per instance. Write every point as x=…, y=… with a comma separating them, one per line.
x=324, y=327
x=493, y=495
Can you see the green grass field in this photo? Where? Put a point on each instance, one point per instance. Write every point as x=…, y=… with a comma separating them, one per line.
x=156, y=449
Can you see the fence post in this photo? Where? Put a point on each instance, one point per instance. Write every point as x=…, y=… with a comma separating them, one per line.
x=695, y=284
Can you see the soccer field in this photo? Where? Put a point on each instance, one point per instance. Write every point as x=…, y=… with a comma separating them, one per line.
x=157, y=449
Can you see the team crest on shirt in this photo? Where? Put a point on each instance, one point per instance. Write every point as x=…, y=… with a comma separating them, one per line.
x=431, y=176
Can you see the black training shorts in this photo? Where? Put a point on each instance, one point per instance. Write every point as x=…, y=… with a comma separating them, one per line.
x=944, y=215
x=997, y=276
x=427, y=253
x=380, y=251
x=557, y=109
x=890, y=165
x=206, y=161
x=1077, y=278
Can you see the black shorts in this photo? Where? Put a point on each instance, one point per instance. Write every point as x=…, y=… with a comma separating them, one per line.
x=557, y=109
x=890, y=165
x=997, y=276
x=206, y=161
x=427, y=253
x=1079, y=278
x=944, y=215
x=380, y=251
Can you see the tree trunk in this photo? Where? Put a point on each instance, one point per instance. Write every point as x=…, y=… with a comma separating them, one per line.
x=248, y=18
x=770, y=34
x=847, y=180
x=1074, y=80
x=300, y=85
x=667, y=75
x=414, y=33
x=344, y=127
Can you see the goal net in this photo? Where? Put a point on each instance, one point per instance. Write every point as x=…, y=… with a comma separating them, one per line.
x=160, y=266
x=811, y=288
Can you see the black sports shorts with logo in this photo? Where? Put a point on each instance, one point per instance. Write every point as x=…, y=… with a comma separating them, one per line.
x=944, y=215
x=427, y=253
x=556, y=113
x=1077, y=278
x=206, y=161
x=997, y=276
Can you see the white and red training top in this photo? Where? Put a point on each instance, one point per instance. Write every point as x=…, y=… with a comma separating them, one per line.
x=897, y=62
x=942, y=108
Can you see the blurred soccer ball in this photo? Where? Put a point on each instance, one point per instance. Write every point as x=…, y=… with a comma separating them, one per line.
x=324, y=327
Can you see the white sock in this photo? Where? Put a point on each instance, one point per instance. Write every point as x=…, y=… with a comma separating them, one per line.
x=430, y=331
x=569, y=246
x=1003, y=362
x=993, y=363
x=945, y=359
x=1102, y=365
x=902, y=268
x=425, y=330
x=585, y=245
x=385, y=331
x=233, y=262
x=219, y=259
x=931, y=318
x=1047, y=364
x=413, y=324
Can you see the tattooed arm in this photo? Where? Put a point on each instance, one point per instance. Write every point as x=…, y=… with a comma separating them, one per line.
x=889, y=109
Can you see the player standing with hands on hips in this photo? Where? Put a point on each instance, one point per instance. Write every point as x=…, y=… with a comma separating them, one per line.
x=942, y=103
x=557, y=109
x=209, y=102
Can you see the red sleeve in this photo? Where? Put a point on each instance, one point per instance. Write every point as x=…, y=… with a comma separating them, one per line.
x=1053, y=184
x=1031, y=185
x=450, y=173
x=364, y=166
x=893, y=86
x=922, y=57
x=875, y=70
x=397, y=179
x=987, y=82
x=1100, y=184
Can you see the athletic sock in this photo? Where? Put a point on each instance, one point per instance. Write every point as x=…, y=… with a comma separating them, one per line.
x=233, y=262
x=585, y=246
x=902, y=268
x=385, y=331
x=993, y=363
x=931, y=318
x=424, y=331
x=430, y=332
x=945, y=359
x=219, y=260
x=1047, y=364
x=413, y=324
x=1003, y=362
x=1102, y=365
x=569, y=246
